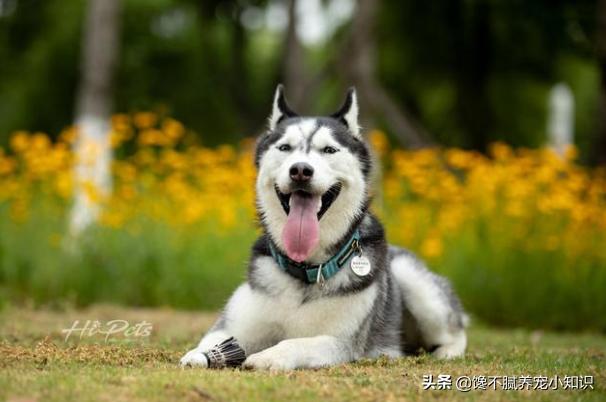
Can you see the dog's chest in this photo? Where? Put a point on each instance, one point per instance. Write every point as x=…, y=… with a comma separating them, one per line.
x=289, y=306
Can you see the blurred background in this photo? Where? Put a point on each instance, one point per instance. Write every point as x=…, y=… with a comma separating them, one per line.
x=126, y=133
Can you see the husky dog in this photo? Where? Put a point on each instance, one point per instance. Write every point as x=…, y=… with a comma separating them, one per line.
x=323, y=285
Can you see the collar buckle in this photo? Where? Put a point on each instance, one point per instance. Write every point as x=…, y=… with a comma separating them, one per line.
x=320, y=278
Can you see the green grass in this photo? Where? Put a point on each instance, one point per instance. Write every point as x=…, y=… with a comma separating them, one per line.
x=510, y=286
x=147, y=263
x=36, y=364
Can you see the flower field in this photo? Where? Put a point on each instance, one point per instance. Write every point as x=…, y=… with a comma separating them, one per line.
x=520, y=232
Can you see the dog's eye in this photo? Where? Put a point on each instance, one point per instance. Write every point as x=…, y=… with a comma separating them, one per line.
x=329, y=150
x=284, y=148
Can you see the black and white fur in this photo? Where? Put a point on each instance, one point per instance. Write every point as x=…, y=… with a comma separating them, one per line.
x=282, y=323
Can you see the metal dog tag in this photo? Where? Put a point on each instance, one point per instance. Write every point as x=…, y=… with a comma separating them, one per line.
x=360, y=265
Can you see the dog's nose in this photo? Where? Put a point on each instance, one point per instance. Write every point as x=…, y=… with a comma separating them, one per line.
x=301, y=172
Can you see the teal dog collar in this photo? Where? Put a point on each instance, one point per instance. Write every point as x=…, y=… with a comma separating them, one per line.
x=318, y=273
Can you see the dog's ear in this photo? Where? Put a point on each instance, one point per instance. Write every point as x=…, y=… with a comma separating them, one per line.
x=280, y=109
x=348, y=113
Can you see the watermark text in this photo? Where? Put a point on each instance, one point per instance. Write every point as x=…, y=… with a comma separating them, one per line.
x=92, y=328
x=507, y=383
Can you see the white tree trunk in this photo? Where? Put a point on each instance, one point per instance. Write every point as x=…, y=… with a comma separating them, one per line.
x=93, y=112
x=560, y=124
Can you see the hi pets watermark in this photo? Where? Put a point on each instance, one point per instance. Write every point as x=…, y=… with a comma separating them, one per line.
x=108, y=329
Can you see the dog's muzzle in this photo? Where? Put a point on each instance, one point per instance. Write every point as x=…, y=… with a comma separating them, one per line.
x=303, y=190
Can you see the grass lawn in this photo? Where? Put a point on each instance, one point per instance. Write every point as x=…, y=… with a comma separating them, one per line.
x=37, y=364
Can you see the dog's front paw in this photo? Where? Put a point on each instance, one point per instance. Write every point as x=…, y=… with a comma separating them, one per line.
x=276, y=358
x=194, y=358
x=454, y=349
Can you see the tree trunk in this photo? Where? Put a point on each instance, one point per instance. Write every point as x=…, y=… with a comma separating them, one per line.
x=240, y=87
x=359, y=61
x=294, y=72
x=472, y=71
x=93, y=111
x=600, y=150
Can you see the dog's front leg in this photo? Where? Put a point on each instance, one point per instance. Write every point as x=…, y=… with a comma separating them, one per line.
x=244, y=318
x=196, y=357
x=317, y=351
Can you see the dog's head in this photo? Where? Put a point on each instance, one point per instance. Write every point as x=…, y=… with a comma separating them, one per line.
x=312, y=178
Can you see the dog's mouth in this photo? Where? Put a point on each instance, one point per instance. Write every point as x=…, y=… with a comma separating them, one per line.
x=301, y=232
x=326, y=200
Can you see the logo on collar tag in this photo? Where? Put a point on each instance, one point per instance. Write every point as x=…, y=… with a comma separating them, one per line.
x=360, y=265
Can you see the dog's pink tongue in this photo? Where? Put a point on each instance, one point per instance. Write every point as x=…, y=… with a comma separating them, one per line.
x=300, y=234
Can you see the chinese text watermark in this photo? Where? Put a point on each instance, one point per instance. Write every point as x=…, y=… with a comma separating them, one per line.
x=507, y=383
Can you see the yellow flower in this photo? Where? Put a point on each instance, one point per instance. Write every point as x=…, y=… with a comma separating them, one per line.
x=432, y=247
x=64, y=184
x=530, y=198
x=378, y=141
x=500, y=151
x=145, y=120
x=152, y=137
x=7, y=165
x=173, y=129
x=69, y=135
x=20, y=141
x=121, y=122
x=571, y=153
x=40, y=142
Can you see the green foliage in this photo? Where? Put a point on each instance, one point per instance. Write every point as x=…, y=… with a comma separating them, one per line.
x=480, y=71
x=471, y=72
x=39, y=49
x=175, y=56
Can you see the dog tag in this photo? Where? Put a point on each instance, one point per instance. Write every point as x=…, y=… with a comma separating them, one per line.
x=360, y=265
